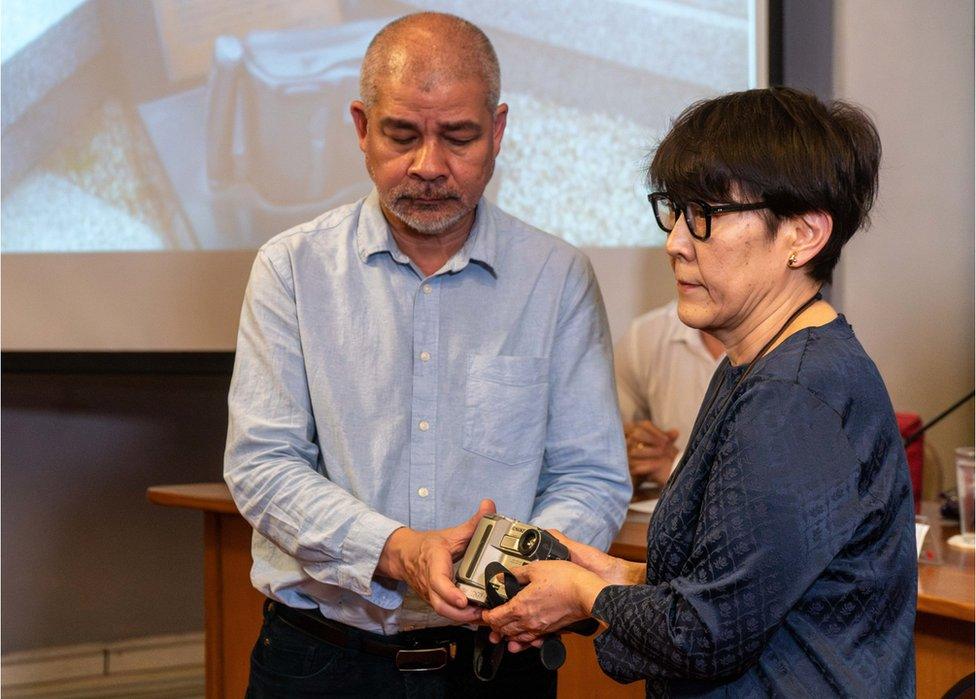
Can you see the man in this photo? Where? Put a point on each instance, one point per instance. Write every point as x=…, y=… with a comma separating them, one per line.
x=398, y=360
x=663, y=368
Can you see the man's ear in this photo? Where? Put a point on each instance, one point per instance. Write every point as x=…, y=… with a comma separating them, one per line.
x=358, y=111
x=810, y=232
x=498, y=127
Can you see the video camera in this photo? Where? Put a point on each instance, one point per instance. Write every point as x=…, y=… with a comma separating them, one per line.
x=484, y=573
x=511, y=543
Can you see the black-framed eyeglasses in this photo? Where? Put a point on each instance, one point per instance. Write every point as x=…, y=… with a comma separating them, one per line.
x=698, y=214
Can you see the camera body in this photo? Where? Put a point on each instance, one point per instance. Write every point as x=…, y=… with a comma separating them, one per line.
x=508, y=542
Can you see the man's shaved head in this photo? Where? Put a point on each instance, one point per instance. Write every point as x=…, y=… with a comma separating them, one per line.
x=429, y=48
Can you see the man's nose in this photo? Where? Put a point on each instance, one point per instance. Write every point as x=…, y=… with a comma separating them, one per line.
x=428, y=162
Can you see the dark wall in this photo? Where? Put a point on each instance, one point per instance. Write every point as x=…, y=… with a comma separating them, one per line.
x=86, y=558
x=807, y=45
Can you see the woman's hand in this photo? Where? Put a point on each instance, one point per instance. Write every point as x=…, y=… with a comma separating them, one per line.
x=615, y=571
x=557, y=594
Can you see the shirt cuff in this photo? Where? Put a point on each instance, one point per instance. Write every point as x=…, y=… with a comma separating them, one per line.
x=360, y=554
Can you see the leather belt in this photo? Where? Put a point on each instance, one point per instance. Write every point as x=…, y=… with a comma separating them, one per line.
x=419, y=651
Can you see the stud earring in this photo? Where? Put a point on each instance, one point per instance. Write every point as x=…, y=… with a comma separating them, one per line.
x=792, y=260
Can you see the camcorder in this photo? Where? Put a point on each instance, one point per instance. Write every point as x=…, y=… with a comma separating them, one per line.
x=508, y=542
x=484, y=572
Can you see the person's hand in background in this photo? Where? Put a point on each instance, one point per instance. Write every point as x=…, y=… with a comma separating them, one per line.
x=651, y=451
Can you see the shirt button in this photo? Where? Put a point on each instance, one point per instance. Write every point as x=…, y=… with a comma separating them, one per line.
x=424, y=425
x=425, y=356
x=427, y=288
x=423, y=492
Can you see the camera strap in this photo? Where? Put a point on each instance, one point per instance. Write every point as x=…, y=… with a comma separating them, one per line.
x=487, y=656
x=512, y=586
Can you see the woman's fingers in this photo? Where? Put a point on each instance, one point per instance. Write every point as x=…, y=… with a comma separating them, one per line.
x=499, y=617
x=509, y=620
x=560, y=537
x=523, y=573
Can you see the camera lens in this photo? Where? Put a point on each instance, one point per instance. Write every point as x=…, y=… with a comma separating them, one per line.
x=528, y=542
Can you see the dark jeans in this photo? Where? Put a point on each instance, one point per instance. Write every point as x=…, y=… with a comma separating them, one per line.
x=288, y=663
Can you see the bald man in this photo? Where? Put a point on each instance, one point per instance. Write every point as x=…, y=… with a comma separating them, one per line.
x=405, y=365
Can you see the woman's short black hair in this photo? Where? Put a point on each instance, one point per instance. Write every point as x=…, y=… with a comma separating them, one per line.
x=781, y=146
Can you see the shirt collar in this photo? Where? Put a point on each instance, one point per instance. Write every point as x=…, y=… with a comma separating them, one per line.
x=682, y=333
x=373, y=236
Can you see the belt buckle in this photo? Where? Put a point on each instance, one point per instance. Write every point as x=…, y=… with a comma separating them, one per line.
x=424, y=659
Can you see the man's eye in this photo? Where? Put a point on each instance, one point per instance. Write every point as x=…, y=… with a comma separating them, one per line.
x=459, y=141
x=403, y=140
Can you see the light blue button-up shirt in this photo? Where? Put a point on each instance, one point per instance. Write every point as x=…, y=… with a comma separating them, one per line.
x=367, y=397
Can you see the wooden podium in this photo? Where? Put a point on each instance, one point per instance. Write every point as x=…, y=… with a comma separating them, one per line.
x=944, y=630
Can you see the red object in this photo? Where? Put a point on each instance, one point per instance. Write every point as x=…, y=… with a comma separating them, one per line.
x=908, y=423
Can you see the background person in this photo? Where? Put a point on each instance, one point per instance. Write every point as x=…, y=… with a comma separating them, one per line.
x=781, y=556
x=662, y=369
x=398, y=360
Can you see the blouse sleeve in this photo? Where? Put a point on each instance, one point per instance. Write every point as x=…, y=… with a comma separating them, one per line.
x=780, y=502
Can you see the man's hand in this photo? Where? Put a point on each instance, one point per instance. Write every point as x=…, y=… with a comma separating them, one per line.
x=425, y=560
x=650, y=450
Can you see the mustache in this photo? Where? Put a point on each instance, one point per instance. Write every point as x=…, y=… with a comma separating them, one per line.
x=410, y=192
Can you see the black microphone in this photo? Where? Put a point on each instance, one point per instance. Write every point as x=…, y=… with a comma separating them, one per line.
x=921, y=430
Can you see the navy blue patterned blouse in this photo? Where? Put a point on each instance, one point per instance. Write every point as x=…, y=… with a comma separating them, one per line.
x=781, y=556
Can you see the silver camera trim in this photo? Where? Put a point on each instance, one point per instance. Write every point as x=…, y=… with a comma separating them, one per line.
x=496, y=538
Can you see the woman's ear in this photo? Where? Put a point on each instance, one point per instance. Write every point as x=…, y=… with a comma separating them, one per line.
x=810, y=231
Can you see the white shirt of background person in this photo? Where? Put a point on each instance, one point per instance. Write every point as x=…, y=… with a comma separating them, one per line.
x=663, y=369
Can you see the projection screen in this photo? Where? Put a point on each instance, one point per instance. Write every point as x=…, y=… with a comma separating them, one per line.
x=151, y=146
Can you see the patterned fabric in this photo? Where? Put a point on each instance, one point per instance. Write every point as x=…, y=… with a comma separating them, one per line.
x=781, y=557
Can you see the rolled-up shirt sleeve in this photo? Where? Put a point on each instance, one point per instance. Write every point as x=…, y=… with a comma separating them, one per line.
x=272, y=464
x=584, y=486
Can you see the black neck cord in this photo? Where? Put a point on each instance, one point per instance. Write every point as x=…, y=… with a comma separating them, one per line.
x=728, y=399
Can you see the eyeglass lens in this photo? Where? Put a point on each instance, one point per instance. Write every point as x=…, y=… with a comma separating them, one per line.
x=697, y=219
x=667, y=216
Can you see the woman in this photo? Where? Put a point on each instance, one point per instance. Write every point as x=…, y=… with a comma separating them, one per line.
x=781, y=556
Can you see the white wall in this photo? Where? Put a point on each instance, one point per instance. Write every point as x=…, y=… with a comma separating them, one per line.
x=633, y=281
x=906, y=284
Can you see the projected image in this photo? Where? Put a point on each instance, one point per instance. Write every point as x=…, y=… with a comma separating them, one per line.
x=215, y=124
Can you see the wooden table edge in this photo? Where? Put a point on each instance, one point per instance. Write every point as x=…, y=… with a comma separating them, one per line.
x=188, y=496
x=938, y=606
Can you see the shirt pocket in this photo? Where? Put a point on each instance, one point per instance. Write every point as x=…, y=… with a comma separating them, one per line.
x=506, y=407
